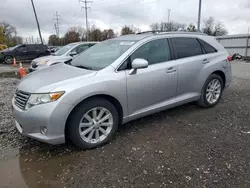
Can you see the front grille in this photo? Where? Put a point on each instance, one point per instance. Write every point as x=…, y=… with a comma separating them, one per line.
x=34, y=64
x=21, y=98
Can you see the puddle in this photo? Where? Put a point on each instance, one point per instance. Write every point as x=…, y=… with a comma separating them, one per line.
x=22, y=170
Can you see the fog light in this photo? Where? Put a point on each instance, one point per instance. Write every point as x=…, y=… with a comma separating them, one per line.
x=44, y=130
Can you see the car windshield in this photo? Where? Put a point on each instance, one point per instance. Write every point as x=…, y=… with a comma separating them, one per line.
x=14, y=47
x=102, y=54
x=64, y=49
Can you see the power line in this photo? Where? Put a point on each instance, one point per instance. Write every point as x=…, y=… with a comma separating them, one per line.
x=86, y=7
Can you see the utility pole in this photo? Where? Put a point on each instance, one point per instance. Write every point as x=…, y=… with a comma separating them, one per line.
x=57, y=19
x=55, y=27
x=199, y=16
x=169, y=11
x=38, y=26
x=247, y=42
x=86, y=7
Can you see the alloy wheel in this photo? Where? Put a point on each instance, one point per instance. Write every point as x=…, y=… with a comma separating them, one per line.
x=213, y=91
x=96, y=125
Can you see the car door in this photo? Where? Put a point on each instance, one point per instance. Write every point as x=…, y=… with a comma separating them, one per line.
x=21, y=52
x=191, y=59
x=153, y=87
x=31, y=52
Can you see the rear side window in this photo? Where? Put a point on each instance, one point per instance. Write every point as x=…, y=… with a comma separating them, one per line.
x=81, y=48
x=31, y=48
x=186, y=47
x=156, y=51
x=207, y=47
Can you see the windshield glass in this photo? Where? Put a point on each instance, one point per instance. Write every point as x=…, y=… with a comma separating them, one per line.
x=102, y=54
x=64, y=49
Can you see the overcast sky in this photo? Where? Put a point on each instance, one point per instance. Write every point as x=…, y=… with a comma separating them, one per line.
x=116, y=13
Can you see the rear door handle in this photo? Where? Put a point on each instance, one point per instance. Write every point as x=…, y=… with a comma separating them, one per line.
x=171, y=70
x=205, y=61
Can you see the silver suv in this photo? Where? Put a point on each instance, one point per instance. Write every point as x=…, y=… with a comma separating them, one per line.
x=117, y=81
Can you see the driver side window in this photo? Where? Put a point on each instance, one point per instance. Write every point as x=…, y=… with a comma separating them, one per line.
x=157, y=51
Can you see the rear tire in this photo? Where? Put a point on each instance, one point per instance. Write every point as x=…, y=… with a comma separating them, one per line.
x=85, y=121
x=211, y=91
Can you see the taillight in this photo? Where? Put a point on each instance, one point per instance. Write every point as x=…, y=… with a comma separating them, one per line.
x=230, y=58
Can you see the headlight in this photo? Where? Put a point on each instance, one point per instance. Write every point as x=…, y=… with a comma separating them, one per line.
x=43, y=62
x=36, y=99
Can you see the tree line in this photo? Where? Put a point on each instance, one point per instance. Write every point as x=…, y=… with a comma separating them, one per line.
x=76, y=34
x=8, y=33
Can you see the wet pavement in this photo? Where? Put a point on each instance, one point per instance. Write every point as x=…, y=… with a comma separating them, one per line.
x=186, y=146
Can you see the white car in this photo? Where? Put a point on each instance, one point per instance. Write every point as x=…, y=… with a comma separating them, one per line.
x=64, y=54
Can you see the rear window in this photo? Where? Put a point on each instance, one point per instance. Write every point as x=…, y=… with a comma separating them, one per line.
x=186, y=47
x=207, y=47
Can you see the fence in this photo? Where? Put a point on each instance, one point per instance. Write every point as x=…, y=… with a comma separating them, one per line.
x=236, y=44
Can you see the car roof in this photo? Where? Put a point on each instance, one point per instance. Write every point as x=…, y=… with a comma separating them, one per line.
x=146, y=34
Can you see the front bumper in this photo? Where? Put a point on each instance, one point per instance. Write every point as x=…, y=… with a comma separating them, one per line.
x=53, y=116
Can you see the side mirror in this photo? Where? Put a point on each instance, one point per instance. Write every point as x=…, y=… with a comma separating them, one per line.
x=73, y=53
x=138, y=64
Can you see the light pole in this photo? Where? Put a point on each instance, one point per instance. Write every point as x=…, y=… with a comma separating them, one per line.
x=38, y=27
x=199, y=17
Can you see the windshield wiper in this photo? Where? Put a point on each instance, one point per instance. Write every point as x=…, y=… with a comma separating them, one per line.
x=83, y=67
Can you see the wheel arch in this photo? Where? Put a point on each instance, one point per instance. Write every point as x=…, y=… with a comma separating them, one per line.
x=110, y=98
x=222, y=75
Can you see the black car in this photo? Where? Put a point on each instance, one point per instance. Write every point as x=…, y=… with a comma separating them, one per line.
x=23, y=52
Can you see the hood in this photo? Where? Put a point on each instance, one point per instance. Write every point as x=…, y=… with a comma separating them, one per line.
x=46, y=79
x=51, y=59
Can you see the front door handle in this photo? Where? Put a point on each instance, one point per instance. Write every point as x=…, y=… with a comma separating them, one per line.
x=171, y=70
x=205, y=61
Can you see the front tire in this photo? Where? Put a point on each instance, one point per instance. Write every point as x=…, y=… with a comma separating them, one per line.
x=92, y=124
x=211, y=91
x=8, y=59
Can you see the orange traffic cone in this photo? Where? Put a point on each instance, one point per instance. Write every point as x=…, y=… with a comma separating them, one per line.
x=14, y=62
x=22, y=71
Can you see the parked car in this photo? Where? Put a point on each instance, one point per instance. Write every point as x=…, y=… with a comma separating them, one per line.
x=53, y=49
x=117, y=81
x=64, y=54
x=23, y=52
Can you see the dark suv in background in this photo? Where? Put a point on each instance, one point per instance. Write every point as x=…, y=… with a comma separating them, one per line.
x=23, y=52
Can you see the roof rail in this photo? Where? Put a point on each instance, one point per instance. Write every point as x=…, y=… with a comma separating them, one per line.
x=160, y=32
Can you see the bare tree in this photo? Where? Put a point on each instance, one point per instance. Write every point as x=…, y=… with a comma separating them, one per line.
x=129, y=30
x=8, y=30
x=191, y=28
x=211, y=27
x=167, y=26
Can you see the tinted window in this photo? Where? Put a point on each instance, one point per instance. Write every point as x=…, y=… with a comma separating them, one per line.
x=156, y=51
x=22, y=48
x=186, y=47
x=31, y=48
x=81, y=48
x=207, y=47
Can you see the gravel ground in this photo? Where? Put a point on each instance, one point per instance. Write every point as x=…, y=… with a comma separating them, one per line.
x=183, y=147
